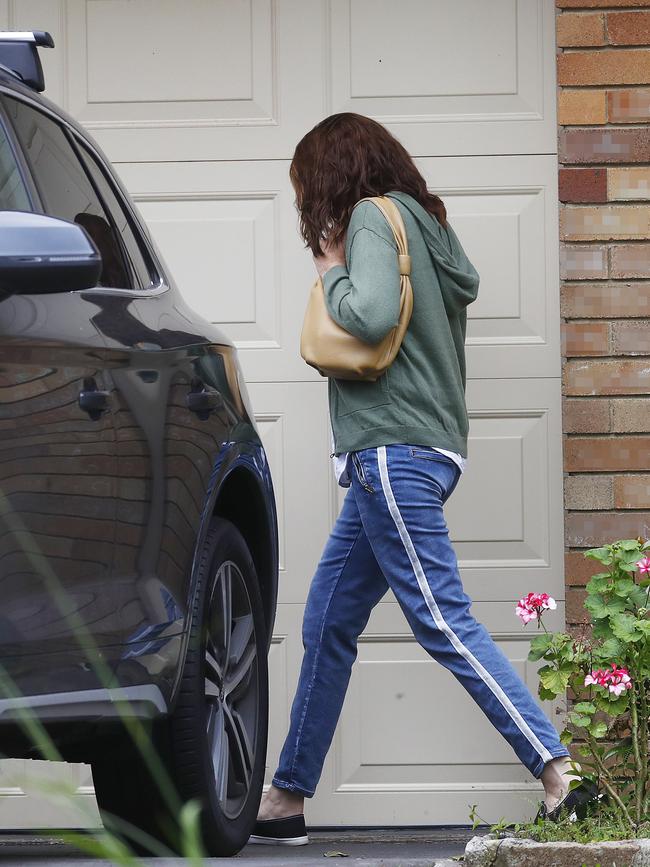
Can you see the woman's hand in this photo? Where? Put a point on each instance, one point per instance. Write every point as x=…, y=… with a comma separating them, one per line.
x=333, y=254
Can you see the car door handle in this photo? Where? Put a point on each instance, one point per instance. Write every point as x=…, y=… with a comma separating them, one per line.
x=204, y=402
x=93, y=401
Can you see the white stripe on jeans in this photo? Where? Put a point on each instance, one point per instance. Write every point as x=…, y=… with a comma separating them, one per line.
x=439, y=620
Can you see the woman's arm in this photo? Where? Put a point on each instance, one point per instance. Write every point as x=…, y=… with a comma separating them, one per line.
x=364, y=299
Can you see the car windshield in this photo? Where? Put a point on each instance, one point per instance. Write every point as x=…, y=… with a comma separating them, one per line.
x=13, y=195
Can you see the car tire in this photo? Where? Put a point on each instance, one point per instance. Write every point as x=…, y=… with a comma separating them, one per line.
x=213, y=744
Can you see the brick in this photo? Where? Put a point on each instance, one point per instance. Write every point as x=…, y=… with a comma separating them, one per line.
x=628, y=106
x=583, y=261
x=632, y=492
x=614, y=376
x=581, y=106
x=605, y=300
x=630, y=415
x=591, y=529
x=579, y=569
x=629, y=260
x=578, y=28
x=626, y=28
x=583, y=222
x=582, y=185
x=585, y=415
x=575, y=611
x=585, y=338
x=631, y=338
x=606, y=454
x=628, y=183
x=588, y=492
x=605, y=66
x=591, y=4
x=605, y=145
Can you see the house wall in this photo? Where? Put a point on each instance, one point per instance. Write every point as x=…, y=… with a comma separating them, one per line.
x=603, y=73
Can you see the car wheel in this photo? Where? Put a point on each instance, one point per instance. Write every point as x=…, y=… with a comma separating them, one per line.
x=213, y=745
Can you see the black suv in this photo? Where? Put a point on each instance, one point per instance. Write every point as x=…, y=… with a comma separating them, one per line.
x=138, y=538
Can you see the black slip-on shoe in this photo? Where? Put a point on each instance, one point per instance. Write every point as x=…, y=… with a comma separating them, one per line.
x=290, y=831
x=575, y=804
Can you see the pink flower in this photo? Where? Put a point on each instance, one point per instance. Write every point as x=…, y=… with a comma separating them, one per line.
x=596, y=678
x=616, y=680
x=643, y=565
x=532, y=605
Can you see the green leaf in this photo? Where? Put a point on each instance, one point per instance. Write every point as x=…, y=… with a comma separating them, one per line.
x=628, y=545
x=566, y=737
x=555, y=680
x=623, y=587
x=638, y=596
x=598, y=729
x=580, y=720
x=624, y=627
x=602, y=629
x=617, y=704
x=619, y=750
x=585, y=707
x=604, y=555
x=599, y=583
x=643, y=626
x=539, y=645
x=599, y=607
x=546, y=694
x=610, y=649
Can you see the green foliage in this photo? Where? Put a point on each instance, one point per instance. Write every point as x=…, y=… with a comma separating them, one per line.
x=600, y=828
x=612, y=730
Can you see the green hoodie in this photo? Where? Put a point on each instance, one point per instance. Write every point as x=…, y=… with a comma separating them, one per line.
x=420, y=399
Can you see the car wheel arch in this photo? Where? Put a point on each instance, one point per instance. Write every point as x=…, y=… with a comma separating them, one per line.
x=241, y=501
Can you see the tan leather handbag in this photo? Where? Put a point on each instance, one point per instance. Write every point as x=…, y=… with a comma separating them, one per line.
x=337, y=353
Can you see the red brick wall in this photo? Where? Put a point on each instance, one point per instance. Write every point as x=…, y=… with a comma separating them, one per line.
x=603, y=76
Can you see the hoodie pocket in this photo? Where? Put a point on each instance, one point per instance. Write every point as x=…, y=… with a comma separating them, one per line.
x=357, y=395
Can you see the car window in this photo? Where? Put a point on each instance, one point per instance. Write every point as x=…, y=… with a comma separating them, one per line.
x=13, y=194
x=141, y=263
x=64, y=187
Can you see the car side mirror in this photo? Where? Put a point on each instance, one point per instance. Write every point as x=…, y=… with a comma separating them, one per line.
x=43, y=254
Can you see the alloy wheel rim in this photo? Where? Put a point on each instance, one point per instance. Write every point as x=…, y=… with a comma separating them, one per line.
x=231, y=688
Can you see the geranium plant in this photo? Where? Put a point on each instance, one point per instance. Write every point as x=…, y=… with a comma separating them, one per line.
x=606, y=671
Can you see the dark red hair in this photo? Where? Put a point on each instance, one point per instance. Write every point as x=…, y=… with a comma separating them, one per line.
x=344, y=158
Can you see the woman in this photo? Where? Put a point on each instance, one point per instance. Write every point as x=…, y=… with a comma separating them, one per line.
x=400, y=445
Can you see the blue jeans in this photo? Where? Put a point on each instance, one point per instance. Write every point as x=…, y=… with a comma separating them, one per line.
x=392, y=533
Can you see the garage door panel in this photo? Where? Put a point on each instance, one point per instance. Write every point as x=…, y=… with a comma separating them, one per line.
x=229, y=234
x=505, y=515
x=218, y=80
x=39, y=794
x=232, y=74
x=505, y=212
x=284, y=659
x=222, y=251
x=443, y=87
x=399, y=735
x=292, y=419
x=231, y=89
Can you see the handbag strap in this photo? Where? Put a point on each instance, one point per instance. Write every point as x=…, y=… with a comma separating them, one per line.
x=394, y=219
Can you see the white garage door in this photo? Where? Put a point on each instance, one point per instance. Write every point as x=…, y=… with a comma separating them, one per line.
x=201, y=103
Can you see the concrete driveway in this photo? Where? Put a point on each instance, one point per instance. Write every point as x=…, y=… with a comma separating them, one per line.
x=366, y=848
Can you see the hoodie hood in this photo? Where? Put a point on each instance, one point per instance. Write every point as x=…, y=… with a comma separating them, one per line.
x=458, y=278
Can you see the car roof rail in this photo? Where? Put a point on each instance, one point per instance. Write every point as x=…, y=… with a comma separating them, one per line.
x=19, y=55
